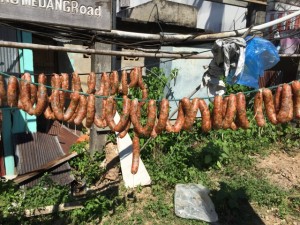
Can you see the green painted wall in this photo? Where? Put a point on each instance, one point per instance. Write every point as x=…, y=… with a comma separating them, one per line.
x=17, y=121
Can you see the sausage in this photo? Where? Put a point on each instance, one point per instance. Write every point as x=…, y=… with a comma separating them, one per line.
x=258, y=109
x=140, y=79
x=48, y=113
x=224, y=107
x=277, y=99
x=101, y=86
x=151, y=117
x=269, y=105
x=81, y=114
x=12, y=91
x=123, y=88
x=90, y=113
x=55, y=105
x=76, y=83
x=233, y=125
x=55, y=81
x=135, y=154
x=91, y=83
x=109, y=116
x=100, y=121
x=125, y=115
x=42, y=95
x=241, y=112
x=125, y=131
x=217, y=112
x=205, y=115
x=71, y=120
x=33, y=94
x=296, y=96
x=64, y=79
x=26, y=96
x=285, y=113
x=3, y=96
x=114, y=82
x=179, y=121
x=72, y=106
x=133, y=78
x=191, y=114
x=230, y=112
x=106, y=84
x=163, y=116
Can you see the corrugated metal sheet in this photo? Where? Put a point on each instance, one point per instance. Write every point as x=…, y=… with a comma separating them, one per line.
x=66, y=136
x=9, y=57
x=270, y=78
x=36, y=149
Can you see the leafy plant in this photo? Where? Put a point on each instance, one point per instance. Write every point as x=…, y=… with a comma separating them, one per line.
x=85, y=166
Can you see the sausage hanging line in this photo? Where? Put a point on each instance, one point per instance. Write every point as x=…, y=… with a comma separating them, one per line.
x=140, y=100
x=227, y=113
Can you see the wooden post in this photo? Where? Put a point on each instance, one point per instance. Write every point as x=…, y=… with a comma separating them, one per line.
x=101, y=63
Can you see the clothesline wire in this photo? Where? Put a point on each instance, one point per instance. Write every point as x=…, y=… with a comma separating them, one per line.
x=118, y=98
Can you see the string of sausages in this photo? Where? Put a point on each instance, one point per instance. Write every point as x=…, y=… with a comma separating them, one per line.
x=227, y=113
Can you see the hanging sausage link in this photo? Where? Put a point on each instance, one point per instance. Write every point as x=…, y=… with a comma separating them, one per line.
x=205, y=115
x=241, y=116
x=151, y=117
x=269, y=105
x=296, y=96
x=191, y=110
x=286, y=113
x=217, y=112
x=258, y=109
x=179, y=121
x=91, y=83
x=163, y=118
x=135, y=153
x=12, y=91
x=90, y=112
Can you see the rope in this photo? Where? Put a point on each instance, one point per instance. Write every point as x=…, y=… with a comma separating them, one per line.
x=141, y=100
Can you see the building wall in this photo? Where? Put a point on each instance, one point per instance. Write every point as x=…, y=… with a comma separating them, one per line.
x=212, y=16
x=190, y=73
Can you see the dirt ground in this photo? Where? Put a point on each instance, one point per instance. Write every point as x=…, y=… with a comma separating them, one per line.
x=282, y=169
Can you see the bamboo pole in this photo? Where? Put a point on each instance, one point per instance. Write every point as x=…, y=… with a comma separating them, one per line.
x=192, y=55
x=189, y=37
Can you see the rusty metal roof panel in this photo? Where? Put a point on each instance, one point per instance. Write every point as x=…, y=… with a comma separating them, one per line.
x=36, y=149
x=66, y=138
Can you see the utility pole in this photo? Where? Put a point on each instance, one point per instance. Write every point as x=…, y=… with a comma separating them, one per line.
x=101, y=63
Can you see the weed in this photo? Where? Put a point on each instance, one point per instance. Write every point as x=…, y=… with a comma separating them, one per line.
x=86, y=167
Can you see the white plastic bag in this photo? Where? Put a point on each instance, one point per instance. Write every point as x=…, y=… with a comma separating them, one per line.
x=193, y=202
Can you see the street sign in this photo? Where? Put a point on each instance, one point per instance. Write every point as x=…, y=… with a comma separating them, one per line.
x=79, y=13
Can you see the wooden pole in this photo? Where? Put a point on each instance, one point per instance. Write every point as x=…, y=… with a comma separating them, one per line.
x=101, y=63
